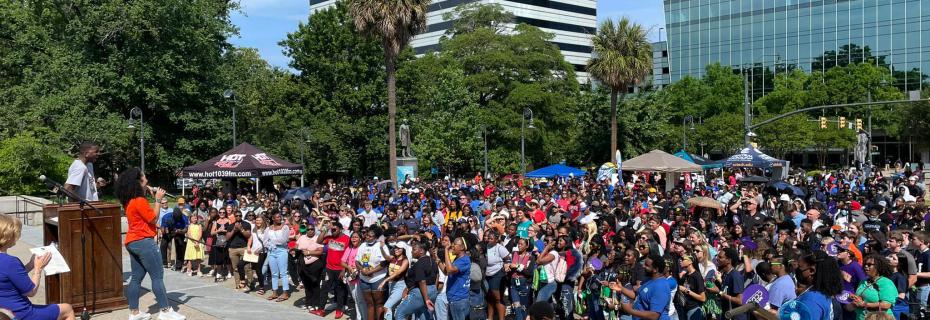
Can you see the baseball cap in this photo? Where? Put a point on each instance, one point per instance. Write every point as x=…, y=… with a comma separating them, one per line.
x=181, y=200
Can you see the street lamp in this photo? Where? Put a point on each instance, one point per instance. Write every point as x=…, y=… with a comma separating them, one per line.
x=527, y=114
x=136, y=112
x=684, y=131
x=229, y=93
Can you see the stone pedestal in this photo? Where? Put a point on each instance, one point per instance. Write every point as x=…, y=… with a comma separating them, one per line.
x=406, y=166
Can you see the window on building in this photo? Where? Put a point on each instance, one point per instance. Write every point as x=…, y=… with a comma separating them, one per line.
x=665, y=53
x=665, y=70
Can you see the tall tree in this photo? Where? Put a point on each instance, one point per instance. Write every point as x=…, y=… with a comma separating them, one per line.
x=394, y=23
x=622, y=57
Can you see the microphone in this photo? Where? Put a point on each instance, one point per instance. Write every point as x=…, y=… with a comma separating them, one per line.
x=154, y=190
x=59, y=188
x=741, y=310
x=49, y=182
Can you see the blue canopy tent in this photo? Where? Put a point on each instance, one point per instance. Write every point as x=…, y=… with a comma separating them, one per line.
x=749, y=157
x=556, y=170
x=699, y=160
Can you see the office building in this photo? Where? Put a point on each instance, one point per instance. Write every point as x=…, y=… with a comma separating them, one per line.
x=572, y=22
x=661, y=73
x=781, y=35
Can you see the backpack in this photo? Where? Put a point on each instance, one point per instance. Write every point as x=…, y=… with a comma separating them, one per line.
x=561, y=268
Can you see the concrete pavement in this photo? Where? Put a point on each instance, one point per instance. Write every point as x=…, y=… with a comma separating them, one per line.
x=197, y=298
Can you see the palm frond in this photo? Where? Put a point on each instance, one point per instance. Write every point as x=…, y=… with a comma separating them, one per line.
x=394, y=22
x=622, y=54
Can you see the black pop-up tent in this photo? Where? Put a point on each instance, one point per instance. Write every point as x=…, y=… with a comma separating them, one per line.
x=243, y=161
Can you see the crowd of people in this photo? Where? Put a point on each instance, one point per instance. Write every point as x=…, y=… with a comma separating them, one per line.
x=825, y=245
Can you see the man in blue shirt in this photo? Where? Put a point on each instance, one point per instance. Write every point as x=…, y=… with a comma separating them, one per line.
x=652, y=298
x=174, y=228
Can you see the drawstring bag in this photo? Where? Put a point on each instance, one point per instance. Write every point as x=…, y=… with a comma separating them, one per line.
x=580, y=303
x=540, y=277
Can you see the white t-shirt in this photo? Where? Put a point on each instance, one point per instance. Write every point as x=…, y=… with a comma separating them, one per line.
x=369, y=217
x=550, y=267
x=371, y=255
x=82, y=176
x=496, y=256
x=258, y=239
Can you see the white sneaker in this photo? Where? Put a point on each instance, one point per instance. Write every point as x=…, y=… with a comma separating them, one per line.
x=170, y=314
x=140, y=316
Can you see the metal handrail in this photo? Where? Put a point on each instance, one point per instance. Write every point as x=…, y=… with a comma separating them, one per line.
x=30, y=201
x=23, y=211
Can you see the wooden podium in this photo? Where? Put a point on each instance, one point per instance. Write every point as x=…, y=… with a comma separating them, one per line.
x=104, y=256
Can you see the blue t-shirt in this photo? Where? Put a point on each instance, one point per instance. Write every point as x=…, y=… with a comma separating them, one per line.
x=14, y=285
x=459, y=282
x=817, y=304
x=781, y=291
x=167, y=221
x=654, y=296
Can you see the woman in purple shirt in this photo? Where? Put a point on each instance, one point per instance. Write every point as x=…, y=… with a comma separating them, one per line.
x=19, y=282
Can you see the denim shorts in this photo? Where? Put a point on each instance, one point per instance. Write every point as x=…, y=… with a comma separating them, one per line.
x=371, y=286
x=494, y=281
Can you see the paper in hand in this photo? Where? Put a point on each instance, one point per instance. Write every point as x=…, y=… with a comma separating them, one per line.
x=57, y=264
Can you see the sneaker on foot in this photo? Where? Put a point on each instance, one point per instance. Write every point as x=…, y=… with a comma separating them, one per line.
x=318, y=313
x=170, y=314
x=140, y=316
x=338, y=314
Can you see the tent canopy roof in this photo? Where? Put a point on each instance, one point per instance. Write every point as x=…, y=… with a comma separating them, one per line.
x=699, y=160
x=750, y=157
x=559, y=170
x=243, y=161
x=659, y=161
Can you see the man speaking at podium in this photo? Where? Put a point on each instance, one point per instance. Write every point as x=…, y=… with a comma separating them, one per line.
x=81, y=173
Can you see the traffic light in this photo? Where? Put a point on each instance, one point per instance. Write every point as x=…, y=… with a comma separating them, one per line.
x=823, y=122
x=858, y=124
x=842, y=122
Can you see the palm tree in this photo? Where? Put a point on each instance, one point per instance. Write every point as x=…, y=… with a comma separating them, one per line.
x=394, y=23
x=622, y=57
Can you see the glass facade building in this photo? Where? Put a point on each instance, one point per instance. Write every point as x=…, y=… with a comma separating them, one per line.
x=781, y=35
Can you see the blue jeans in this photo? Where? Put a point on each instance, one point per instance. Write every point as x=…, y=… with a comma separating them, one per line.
x=693, y=314
x=414, y=304
x=459, y=309
x=593, y=302
x=567, y=298
x=145, y=258
x=395, y=291
x=277, y=260
x=442, y=306
x=520, y=295
x=923, y=293
x=545, y=292
x=359, y=302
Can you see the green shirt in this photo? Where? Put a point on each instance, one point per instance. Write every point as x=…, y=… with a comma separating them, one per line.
x=523, y=229
x=882, y=290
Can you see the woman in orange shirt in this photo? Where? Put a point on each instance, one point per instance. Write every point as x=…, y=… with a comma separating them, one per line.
x=140, y=242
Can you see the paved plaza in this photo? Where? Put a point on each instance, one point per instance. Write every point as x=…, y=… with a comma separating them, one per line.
x=198, y=298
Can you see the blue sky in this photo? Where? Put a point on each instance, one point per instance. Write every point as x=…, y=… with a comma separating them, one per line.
x=262, y=23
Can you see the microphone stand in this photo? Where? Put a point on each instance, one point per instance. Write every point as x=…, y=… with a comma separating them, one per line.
x=82, y=204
